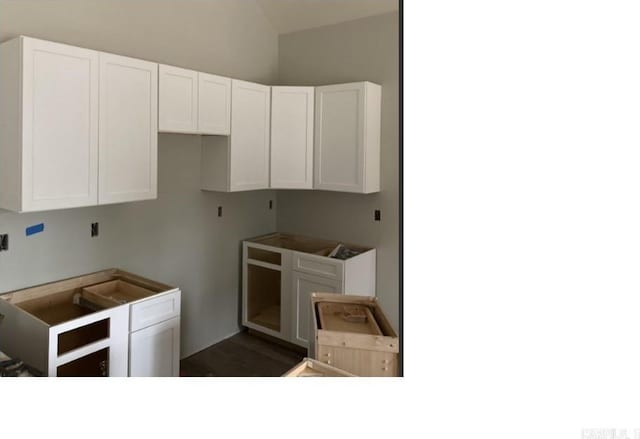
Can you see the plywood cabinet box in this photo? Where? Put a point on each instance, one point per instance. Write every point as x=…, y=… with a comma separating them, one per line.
x=311, y=368
x=347, y=138
x=194, y=102
x=353, y=334
x=280, y=271
x=109, y=323
x=77, y=127
x=240, y=162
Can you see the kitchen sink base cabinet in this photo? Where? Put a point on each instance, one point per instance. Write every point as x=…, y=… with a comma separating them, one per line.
x=109, y=323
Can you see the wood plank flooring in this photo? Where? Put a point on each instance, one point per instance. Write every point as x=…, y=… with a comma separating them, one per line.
x=243, y=355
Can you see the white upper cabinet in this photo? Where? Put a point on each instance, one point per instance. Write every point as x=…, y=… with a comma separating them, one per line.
x=48, y=125
x=128, y=152
x=214, y=104
x=194, y=102
x=178, y=90
x=292, y=137
x=240, y=162
x=347, y=138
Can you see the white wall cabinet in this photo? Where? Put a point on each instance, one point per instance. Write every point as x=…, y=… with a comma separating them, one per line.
x=347, y=137
x=77, y=127
x=214, y=104
x=178, y=96
x=280, y=271
x=128, y=141
x=240, y=162
x=48, y=125
x=193, y=102
x=292, y=137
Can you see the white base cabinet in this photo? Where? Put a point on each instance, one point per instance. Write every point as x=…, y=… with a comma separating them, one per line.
x=109, y=323
x=280, y=271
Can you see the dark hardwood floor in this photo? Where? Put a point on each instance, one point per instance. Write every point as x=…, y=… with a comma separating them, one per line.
x=243, y=355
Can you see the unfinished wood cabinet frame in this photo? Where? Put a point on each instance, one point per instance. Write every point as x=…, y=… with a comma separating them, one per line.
x=311, y=368
x=360, y=354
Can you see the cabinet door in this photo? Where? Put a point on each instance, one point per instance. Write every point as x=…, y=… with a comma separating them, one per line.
x=214, y=104
x=303, y=286
x=249, y=148
x=347, y=137
x=292, y=137
x=178, y=110
x=155, y=351
x=59, y=126
x=128, y=129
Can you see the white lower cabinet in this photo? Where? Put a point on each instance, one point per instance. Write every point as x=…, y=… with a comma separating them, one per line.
x=155, y=351
x=108, y=323
x=280, y=271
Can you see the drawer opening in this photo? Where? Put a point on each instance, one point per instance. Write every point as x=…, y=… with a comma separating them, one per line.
x=264, y=255
x=95, y=364
x=82, y=336
x=263, y=297
x=64, y=306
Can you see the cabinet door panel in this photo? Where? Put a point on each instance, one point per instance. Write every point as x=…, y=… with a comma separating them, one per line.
x=214, y=104
x=60, y=126
x=292, y=137
x=155, y=351
x=303, y=286
x=128, y=129
x=249, y=149
x=178, y=111
x=339, y=154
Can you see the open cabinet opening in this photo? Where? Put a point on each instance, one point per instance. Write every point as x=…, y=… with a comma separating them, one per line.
x=263, y=297
x=92, y=365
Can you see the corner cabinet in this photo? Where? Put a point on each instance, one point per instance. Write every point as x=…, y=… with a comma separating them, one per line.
x=347, y=138
x=128, y=141
x=292, y=137
x=280, y=271
x=240, y=162
x=77, y=127
x=193, y=102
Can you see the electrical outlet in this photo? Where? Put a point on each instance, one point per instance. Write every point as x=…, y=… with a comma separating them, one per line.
x=4, y=242
x=219, y=210
x=376, y=215
x=94, y=229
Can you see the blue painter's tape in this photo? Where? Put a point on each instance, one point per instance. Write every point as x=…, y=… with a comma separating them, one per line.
x=35, y=229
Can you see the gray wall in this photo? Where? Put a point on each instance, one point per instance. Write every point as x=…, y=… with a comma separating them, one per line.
x=178, y=238
x=365, y=49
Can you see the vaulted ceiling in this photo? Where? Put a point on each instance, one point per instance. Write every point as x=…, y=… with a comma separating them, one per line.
x=294, y=15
